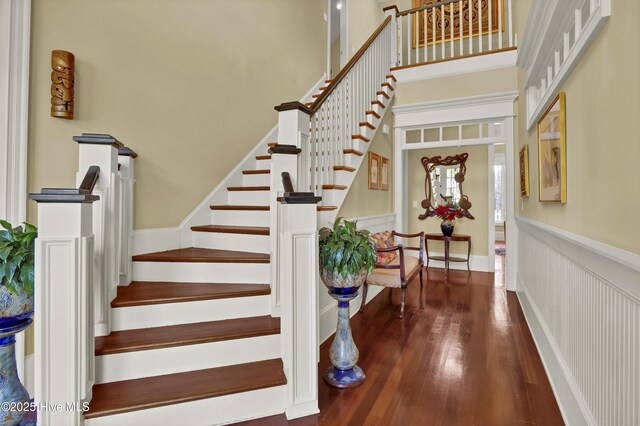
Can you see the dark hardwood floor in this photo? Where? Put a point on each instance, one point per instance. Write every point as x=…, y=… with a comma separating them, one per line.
x=462, y=355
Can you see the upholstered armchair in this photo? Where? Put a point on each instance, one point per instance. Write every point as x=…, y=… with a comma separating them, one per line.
x=395, y=268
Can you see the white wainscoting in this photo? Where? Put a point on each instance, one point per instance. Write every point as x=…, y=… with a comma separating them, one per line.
x=581, y=299
x=328, y=306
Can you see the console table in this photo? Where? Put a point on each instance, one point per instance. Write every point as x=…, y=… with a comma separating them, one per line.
x=447, y=240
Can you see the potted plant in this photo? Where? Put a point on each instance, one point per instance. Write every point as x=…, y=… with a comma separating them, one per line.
x=346, y=258
x=16, y=309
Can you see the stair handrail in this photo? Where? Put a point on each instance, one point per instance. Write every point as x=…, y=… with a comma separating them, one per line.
x=348, y=66
x=427, y=6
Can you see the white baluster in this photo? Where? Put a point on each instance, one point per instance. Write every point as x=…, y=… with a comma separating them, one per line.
x=400, y=42
x=433, y=33
x=461, y=28
x=417, y=38
x=442, y=30
x=490, y=32
x=480, y=26
x=510, y=24
x=499, y=27
x=578, y=23
x=409, y=19
x=102, y=151
x=453, y=44
x=470, y=7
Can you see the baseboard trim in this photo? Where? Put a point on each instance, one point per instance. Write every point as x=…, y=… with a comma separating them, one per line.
x=574, y=412
x=28, y=379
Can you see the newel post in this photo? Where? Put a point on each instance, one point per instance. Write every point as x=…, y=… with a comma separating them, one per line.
x=64, y=327
x=126, y=162
x=293, y=130
x=299, y=287
x=102, y=150
x=395, y=38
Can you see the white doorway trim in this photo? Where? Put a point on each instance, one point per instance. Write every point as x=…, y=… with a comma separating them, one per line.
x=15, y=38
x=494, y=108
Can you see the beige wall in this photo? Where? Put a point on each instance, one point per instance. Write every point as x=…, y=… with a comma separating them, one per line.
x=190, y=85
x=602, y=109
x=362, y=201
x=364, y=16
x=475, y=186
x=458, y=86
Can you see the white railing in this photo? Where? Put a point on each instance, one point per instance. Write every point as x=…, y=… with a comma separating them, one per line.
x=454, y=29
x=83, y=253
x=336, y=115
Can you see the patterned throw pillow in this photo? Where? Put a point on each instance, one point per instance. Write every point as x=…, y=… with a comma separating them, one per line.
x=383, y=240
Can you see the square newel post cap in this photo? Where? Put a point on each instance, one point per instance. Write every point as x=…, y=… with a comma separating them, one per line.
x=98, y=139
x=290, y=106
x=285, y=149
x=391, y=9
x=63, y=195
x=127, y=152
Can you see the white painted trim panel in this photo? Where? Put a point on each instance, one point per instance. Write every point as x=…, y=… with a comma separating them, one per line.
x=162, y=314
x=456, y=67
x=582, y=302
x=156, y=362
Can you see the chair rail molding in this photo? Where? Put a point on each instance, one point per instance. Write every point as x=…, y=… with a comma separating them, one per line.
x=15, y=39
x=581, y=299
x=557, y=34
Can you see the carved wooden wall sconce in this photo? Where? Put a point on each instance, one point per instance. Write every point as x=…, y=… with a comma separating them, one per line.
x=63, y=64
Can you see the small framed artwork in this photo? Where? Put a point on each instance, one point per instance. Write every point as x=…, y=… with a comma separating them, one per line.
x=384, y=173
x=374, y=171
x=552, y=153
x=524, y=171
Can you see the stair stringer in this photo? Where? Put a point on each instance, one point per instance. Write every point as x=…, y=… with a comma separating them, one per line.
x=219, y=195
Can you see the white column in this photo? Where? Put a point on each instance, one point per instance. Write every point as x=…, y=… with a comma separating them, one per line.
x=293, y=136
x=64, y=333
x=102, y=151
x=15, y=30
x=283, y=159
x=126, y=171
x=393, y=12
x=299, y=285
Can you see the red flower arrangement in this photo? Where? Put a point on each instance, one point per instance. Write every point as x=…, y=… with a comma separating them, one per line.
x=448, y=213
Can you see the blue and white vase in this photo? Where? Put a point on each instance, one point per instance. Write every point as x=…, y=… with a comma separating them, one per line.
x=343, y=352
x=16, y=312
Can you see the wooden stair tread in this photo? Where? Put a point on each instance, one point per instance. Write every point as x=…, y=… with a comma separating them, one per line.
x=383, y=93
x=392, y=77
x=228, y=229
x=185, y=334
x=149, y=392
x=202, y=255
x=140, y=293
x=361, y=137
x=326, y=208
x=338, y=187
x=372, y=112
x=380, y=104
x=248, y=188
x=367, y=124
x=263, y=157
x=345, y=168
x=256, y=172
x=389, y=86
x=239, y=207
x=353, y=151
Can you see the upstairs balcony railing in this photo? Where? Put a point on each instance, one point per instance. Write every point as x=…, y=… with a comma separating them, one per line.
x=454, y=29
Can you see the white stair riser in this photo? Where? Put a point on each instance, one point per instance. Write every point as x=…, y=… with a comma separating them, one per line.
x=342, y=177
x=382, y=98
x=249, y=198
x=366, y=131
x=263, y=164
x=333, y=197
x=238, y=242
x=201, y=272
x=240, y=217
x=134, y=317
x=156, y=362
x=353, y=160
x=205, y=412
x=256, y=180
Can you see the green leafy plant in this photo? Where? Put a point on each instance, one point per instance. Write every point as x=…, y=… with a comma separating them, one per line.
x=346, y=250
x=17, y=257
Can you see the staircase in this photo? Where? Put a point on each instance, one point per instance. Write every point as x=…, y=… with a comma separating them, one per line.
x=193, y=337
